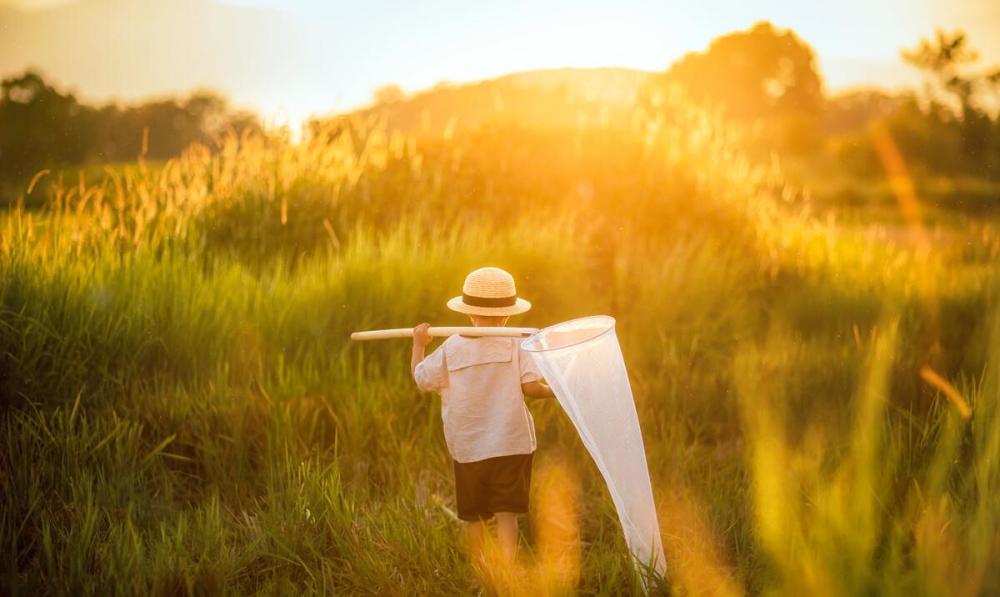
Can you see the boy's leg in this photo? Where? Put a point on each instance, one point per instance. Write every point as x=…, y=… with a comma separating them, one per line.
x=507, y=534
x=476, y=531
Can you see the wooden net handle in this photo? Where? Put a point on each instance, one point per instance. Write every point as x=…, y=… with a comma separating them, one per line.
x=441, y=332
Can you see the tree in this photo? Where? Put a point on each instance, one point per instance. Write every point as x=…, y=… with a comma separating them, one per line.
x=763, y=75
x=943, y=59
x=39, y=125
x=946, y=60
x=760, y=73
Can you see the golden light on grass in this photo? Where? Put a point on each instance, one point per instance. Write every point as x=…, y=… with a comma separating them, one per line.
x=938, y=553
x=556, y=520
x=769, y=457
x=694, y=556
x=950, y=391
x=774, y=506
x=501, y=576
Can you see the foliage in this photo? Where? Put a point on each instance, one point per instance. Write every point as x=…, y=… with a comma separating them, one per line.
x=950, y=129
x=768, y=78
x=763, y=74
x=943, y=59
x=42, y=128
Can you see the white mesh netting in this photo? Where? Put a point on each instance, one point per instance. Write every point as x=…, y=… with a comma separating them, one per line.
x=582, y=361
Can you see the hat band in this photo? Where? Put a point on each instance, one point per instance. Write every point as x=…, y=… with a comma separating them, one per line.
x=482, y=301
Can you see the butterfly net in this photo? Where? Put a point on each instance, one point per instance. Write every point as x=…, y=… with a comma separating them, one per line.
x=582, y=361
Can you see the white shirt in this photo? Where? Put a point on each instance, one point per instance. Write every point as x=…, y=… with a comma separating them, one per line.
x=482, y=405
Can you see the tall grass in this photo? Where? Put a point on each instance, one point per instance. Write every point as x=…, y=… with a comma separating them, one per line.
x=182, y=412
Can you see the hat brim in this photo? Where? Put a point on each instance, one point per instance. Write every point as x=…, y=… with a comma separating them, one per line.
x=457, y=304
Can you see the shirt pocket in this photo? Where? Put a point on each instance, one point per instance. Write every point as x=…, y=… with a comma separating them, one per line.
x=481, y=352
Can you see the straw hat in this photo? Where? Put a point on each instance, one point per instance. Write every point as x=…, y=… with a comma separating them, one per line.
x=489, y=291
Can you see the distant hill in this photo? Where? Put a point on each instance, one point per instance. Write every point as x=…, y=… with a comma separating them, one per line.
x=542, y=99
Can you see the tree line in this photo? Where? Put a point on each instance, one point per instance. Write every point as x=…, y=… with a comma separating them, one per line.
x=767, y=78
x=42, y=127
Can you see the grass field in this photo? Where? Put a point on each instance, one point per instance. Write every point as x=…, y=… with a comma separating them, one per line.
x=182, y=412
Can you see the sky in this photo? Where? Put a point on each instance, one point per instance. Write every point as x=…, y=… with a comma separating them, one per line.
x=288, y=59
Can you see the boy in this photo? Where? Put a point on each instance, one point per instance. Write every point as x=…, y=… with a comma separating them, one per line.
x=489, y=432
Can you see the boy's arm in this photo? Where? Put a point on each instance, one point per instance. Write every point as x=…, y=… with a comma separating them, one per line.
x=421, y=338
x=537, y=389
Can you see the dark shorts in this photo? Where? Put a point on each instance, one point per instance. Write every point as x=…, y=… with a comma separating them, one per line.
x=485, y=487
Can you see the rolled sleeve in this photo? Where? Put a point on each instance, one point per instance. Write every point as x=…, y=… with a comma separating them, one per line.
x=431, y=374
x=529, y=369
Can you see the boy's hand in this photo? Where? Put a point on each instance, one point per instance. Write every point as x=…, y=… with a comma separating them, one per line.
x=421, y=338
x=421, y=335
x=537, y=389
